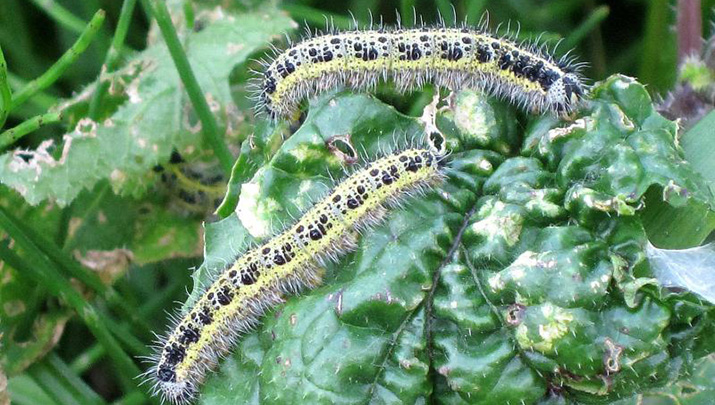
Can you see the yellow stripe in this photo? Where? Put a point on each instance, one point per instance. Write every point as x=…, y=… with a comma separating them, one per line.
x=445, y=56
x=291, y=254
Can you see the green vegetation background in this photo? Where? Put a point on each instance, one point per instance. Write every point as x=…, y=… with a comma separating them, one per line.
x=75, y=336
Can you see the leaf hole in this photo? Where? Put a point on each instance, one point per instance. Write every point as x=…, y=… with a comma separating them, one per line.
x=342, y=147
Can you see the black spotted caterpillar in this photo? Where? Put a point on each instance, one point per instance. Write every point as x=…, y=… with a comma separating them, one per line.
x=454, y=58
x=254, y=282
x=448, y=57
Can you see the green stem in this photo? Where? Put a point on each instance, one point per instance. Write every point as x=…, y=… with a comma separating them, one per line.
x=65, y=61
x=43, y=271
x=591, y=23
x=474, y=10
x=208, y=123
x=445, y=9
x=112, y=58
x=407, y=10
x=61, y=15
x=135, y=346
x=42, y=100
x=31, y=241
x=86, y=359
x=162, y=299
x=60, y=383
x=133, y=398
x=11, y=136
x=5, y=93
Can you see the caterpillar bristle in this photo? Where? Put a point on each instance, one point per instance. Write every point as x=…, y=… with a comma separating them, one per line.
x=290, y=262
x=522, y=71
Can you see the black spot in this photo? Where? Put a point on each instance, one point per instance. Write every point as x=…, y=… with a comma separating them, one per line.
x=418, y=159
x=224, y=296
x=210, y=296
x=369, y=54
x=300, y=229
x=467, y=40
x=401, y=47
x=403, y=158
x=534, y=71
x=165, y=374
x=174, y=354
x=412, y=166
x=189, y=335
x=374, y=172
x=504, y=61
x=232, y=274
x=327, y=56
x=416, y=54
x=353, y=203
x=387, y=179
x=444, y=46
x=290, y=68
x=382, y=39
x=496, y=45
x=483, y=54
x=547, y=78
x=571, y=87
x=175, y=157
x=287, y=247
x=455, y=54
x=322, y=229
x=315, y=234
x=269, y=86
x=357, y=47
x=279, y=260
x=205, y=316
x=312, y=52
x=250, y=277
x=336, y=198
x=424, y=38
x=335, y=41
x=266, y=250
x=520, y=66
x=361, y=189
x=324, y=218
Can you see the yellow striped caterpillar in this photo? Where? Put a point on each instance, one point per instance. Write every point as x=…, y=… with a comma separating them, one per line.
x=289, y=261
x=455, y=58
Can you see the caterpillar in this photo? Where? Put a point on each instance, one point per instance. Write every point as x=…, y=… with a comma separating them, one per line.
x=288, y=262
x=454, y=58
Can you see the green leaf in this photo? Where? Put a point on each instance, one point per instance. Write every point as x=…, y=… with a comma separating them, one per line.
x=688, y=226
x=521, y=278
x=154, y=118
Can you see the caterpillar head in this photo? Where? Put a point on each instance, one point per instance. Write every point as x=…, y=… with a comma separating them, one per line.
x=565, y=93
x=173, y=390
x=178, y=392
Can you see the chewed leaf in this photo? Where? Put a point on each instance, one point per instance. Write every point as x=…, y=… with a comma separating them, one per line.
x=518, y=278
x=688, y=269
x=154, y=119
